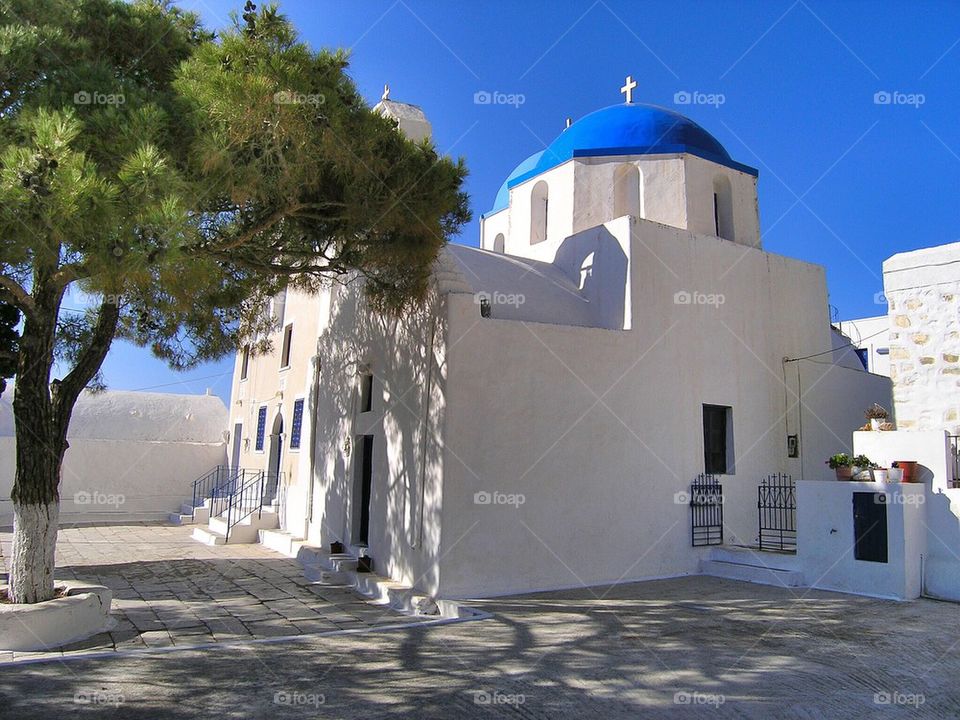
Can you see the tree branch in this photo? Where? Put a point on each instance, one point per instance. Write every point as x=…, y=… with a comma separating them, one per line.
x=67, y=391
x=13, y=292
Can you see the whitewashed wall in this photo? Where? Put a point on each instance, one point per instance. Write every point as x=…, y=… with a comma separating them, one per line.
x=131, y=455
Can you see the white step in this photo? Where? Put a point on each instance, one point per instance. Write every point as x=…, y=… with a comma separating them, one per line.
x=280, y=541
x=181, y=519
x=208, y=536
x=754, y=556
x=752, y=573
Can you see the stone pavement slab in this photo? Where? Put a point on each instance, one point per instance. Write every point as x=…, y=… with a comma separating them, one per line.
x=171, y=590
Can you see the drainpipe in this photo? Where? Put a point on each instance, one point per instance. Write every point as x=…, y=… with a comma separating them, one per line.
x=314, y=400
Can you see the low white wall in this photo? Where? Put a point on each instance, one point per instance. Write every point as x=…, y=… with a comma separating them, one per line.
x=825, y=539
x=119, y=479
x=931, y=449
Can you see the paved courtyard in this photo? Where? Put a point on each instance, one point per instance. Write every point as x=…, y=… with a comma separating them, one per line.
x=691, y=647
x=171, y=590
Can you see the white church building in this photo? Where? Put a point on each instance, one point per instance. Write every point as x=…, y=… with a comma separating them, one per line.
x=619, y=332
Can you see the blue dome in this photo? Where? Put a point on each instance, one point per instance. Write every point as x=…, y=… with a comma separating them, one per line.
x=629, y=129
x=503, y=194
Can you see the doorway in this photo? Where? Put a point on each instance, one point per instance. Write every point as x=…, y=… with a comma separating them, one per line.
x=273, y=463
x=235, y=454
x=364, y=486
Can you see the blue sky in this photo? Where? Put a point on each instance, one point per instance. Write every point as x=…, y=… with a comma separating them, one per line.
x=845, y=181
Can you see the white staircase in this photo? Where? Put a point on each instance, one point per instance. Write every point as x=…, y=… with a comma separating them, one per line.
x=752, y=565
x=190, y=515
x=244, y=531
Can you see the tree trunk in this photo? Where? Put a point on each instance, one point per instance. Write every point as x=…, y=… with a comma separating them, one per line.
x=34, y=547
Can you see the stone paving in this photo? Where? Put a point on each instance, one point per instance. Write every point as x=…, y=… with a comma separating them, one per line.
x=695, y=647
x=171, y=590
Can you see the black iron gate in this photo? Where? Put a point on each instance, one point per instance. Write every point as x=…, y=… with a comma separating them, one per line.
x=777, y=508
x=706, y=511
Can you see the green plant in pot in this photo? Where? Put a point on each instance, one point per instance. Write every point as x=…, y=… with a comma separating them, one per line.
x=862, y=465
x=841, y=463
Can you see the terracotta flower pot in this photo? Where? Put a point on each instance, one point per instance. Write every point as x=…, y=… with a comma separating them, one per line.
x=909, y=468
x=844, y=472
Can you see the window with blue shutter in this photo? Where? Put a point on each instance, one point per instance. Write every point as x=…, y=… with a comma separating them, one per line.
x=297, y=424
x=261, y=427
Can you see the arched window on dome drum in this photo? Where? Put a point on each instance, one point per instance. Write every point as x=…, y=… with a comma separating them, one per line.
x=539, y=211
x=498, y=243
x=723, y=207
x=627, y=191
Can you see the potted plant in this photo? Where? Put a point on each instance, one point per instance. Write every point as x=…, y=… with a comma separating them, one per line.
x=841, y=464
x=879, y=474
x=877, y=415
x=861, y=467
x=894, y=474
x=337, y=548
x=909, y=468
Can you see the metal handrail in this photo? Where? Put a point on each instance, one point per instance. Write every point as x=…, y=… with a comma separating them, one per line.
x=248, y=498
x=222, y=495
x=209, y=484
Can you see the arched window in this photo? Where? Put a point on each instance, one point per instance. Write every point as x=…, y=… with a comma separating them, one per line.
x=627, y=191
x=498, y=243
x=539, y=212
x=586, y=271
x=722, y=208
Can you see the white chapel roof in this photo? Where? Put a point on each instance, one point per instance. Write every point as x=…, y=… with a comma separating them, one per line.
x=520, y=288
x=145, y=416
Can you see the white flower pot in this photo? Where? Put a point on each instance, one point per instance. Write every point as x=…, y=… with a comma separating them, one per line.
x=894, y=475
x=879, y=474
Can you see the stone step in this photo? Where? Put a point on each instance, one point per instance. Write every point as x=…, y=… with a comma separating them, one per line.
x=752, y=573
x=740, y=555
x=181, y=519
x=208, y=536
x=279, y=541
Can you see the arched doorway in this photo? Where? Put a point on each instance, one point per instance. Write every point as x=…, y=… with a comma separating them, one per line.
x=273, y=461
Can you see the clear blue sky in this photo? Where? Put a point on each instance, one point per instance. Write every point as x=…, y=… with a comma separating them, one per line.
x=844, y=182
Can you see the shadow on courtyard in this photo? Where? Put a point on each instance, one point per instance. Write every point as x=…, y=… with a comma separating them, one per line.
x=676, y=648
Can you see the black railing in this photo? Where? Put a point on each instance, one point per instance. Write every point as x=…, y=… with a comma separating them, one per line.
x=706, y=511
x=249, y=497
x=223, y=494
x=777, y=510
x=212, y=483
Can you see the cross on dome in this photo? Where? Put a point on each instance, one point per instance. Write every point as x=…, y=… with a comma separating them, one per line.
x=627, y=89
x=386, y=93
